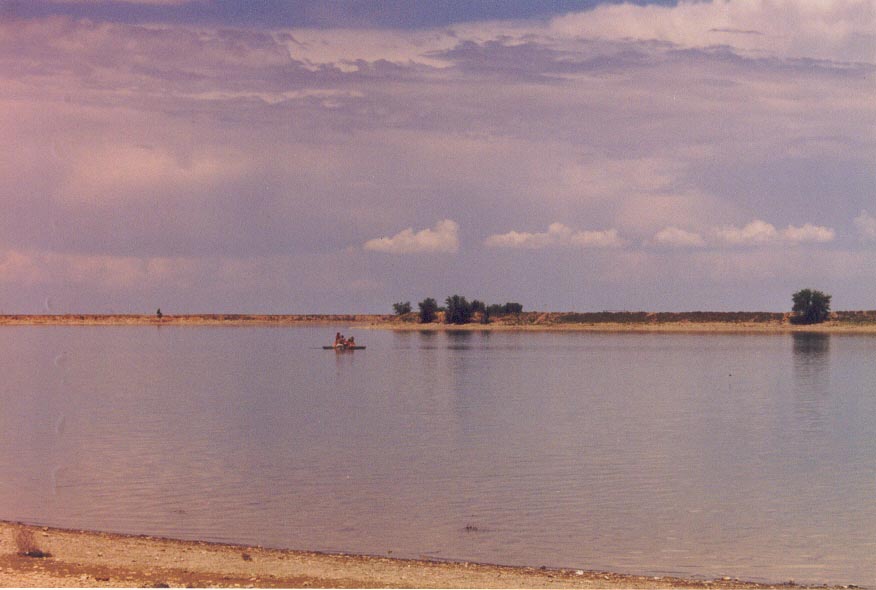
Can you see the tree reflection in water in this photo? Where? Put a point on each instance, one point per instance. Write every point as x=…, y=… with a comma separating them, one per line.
x=811, y=363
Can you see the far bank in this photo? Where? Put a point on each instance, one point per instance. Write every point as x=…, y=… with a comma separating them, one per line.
x=623, y=321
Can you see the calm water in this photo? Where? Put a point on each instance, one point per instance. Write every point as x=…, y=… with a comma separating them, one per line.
x=700, y=455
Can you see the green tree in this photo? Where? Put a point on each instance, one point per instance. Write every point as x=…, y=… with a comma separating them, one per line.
x=499, y=310
x=513, y=307
x=496, y=309
x=458, y=310
x=810, y=307
x=401, y=308
x=428, y=308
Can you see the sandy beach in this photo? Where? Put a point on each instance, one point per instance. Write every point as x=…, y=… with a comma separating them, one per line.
x=95, y=559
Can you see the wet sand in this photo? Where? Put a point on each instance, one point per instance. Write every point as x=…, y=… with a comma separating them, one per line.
x=94, y=559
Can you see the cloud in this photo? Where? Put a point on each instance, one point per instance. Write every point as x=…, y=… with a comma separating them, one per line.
x=808, y=233
x=111, y=272
x=236, y=148
x=828, y=29
x=444, y=237
x=557, y=235
x=759, y=233
x=677, y=237
x=147, y=2
x=866, y=226
x=755, y=233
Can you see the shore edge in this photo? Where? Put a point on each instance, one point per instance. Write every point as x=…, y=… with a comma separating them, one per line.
x=80, y=558
x=857, y=322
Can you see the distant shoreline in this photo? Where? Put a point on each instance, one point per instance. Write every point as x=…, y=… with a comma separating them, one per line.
x=754, y=322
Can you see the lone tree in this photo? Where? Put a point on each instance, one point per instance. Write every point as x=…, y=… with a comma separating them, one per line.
x=810, y=307
x=428, y=309
x=402, y=307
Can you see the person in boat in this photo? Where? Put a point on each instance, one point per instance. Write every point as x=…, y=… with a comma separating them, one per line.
x=351, y=342
x=339, y=340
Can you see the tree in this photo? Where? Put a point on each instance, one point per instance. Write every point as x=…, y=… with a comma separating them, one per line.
x=496, y=309
x=428, y=308
x=478, y=306
x=810, y=307
x=459, y=310
x=508, y=308
x=513, y=307
x=401, y=308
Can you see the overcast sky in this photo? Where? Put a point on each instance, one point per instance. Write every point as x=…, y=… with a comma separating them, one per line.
x=323, y=157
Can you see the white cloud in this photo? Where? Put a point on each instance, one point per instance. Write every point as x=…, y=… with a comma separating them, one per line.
x=808, y=233
x=866, y=226
x=826, y=29
x=755, y=233
x=444, y=237
x=758, y=233
x=556, y=235
x=677, y=237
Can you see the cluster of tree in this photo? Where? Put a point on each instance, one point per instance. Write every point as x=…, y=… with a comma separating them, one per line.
x=810, y=307
x=458, y=310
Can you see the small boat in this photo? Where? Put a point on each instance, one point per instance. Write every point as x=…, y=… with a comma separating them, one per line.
x=343, y=348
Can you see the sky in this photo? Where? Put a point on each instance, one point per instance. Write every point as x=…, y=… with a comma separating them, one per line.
x=210, y=156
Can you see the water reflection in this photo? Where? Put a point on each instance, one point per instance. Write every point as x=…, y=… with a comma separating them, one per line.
x=459, y=339
x=561, y=449
x=811, y=365
x=810, y=346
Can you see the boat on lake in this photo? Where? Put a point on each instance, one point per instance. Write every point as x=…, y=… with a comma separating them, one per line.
x=342, y=348
x=341, y=344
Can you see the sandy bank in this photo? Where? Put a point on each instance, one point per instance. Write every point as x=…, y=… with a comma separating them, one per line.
x=843, y=322
x=86, y=559
x=190, y=320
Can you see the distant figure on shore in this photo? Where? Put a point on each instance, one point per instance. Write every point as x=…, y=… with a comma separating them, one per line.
x=159, y=314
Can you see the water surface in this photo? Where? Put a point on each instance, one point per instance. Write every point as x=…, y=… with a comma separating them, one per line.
x=751, y=456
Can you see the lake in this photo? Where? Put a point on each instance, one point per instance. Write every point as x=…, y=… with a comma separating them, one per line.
x=700, y=455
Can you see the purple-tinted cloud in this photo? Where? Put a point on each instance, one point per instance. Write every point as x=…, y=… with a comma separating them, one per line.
x=244, y=167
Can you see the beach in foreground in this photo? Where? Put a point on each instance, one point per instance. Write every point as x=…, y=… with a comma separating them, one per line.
x=94, y=559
